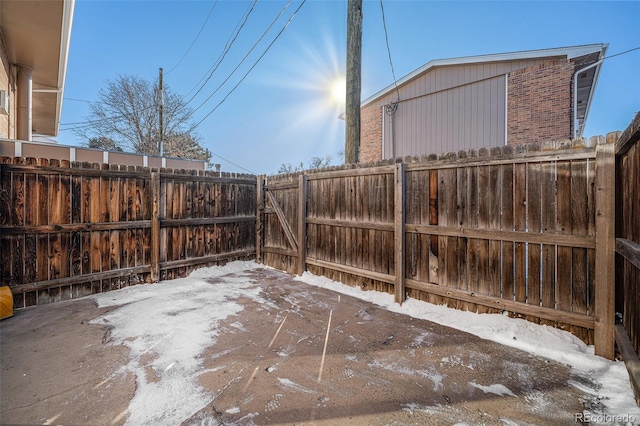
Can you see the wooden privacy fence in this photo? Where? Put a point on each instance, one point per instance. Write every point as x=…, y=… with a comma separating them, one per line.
x=73, y=229
x=628, y=249
x=526, y=229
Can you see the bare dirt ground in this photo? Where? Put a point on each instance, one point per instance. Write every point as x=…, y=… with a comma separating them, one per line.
x=266, y=366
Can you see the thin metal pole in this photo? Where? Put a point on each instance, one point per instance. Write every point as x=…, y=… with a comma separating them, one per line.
x=161, y=108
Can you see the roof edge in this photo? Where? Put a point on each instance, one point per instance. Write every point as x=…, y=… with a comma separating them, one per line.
x=65, y=43
x=594, y=85
x=569, y=52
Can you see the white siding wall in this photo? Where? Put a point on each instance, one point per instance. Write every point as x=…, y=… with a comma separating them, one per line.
x=463, y=117
x=449, y=108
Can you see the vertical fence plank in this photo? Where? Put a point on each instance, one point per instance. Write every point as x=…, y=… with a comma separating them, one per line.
x=579, y=220
x=472, y=222
x=302, y=223
x=54, y=219
x=65, y=218
x=42, y=249
x=564, y=226
x=548, y=226
x=534, y=182
x=605, y=251
x=260, y=219
x=507, y=225
x=484, y=277
x=495, y=247
x=399, y=189
x=520, y=224
x=433, y=239
x=155, y=226
x=30, y=218
x=463, y=242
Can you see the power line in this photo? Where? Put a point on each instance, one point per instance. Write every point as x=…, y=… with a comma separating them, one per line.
x=621, y=53
x=195, y=39
x=245, y=56
x=609, y=57
x=77, y=100
x=243, y=17
x=89, y=123
x=386, y=36
x=224, y=53
x=252, y=67
x=231, y=162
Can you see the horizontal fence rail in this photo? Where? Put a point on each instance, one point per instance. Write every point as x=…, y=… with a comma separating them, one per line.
x=73, y=229
x=511, y=229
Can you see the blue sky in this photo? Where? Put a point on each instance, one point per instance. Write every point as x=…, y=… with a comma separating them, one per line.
x=283, y=111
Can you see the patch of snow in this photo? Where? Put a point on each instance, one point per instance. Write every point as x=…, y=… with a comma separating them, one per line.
x=613, y=391
x=233, y=410
x=292, y=386
x=399, y=367
x=420, y=340
x=496, y=389
x=537, y=401
x=455, y=360
x=166, y=327
x=171, y=323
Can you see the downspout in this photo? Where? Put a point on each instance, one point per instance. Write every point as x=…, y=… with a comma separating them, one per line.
x=575, y=97
x=384, y=134
x=390, y=110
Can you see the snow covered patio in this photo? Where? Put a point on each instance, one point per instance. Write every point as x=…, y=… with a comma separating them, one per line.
x=243, y=344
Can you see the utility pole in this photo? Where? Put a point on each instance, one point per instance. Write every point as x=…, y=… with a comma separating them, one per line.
x=354, y=59
x=160, y=109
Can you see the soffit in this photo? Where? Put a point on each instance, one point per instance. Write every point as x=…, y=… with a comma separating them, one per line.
x=33, y=35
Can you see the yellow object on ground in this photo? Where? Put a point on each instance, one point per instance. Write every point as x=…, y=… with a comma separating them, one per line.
x=6, y=303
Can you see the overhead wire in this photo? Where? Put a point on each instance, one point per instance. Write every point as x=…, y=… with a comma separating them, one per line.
x=393, y=106
x=607, y=57
x=224, y=53
x=242, y=79
x=231, y=162
x=252, y=67
x=225, y=46
x=245, y=56
x=621, y=53
x=77, y=100
x=85, y=124
x=195, y=39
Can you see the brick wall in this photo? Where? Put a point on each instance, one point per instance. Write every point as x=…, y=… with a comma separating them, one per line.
x=539, y=103
x=370, y=134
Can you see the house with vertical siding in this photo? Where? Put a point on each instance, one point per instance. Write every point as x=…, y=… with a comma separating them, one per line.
x=482, y=101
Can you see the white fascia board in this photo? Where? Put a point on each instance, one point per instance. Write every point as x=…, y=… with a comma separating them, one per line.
x=569, y=52
x=65, y=42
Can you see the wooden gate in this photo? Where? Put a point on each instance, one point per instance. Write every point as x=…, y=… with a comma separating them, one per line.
x=281, y=222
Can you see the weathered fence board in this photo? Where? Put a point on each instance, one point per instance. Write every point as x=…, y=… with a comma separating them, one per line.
x=627, y=247
x=71, y=229
x=506, y=230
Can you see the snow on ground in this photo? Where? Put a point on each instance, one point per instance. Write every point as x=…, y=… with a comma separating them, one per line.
x=175, y=321
x=609, y=379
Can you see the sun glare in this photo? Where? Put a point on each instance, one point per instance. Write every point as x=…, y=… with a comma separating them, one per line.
x=339, y=91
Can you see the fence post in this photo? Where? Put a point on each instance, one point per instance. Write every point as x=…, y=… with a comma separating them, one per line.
x=605, y=251
x=259, y=216
x=399, y=288
x=155, y=226
x=302, y=223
